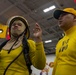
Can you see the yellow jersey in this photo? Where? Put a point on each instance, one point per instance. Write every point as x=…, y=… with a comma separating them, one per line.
x=18, y=67
x=65, y=62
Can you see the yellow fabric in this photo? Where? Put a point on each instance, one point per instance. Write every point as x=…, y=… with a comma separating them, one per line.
x=18, y=67
x=4, y=28
x=65, y=62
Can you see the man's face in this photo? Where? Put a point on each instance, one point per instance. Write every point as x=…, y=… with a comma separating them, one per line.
x=17, y=27
x=65, y=20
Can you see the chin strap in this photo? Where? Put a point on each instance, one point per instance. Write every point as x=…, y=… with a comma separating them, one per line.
x=26, y=54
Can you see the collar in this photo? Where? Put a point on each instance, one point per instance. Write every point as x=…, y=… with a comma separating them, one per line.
x=71, y=30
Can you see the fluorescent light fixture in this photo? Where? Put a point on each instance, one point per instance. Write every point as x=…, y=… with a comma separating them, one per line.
x=50, y=8
x=48, y=41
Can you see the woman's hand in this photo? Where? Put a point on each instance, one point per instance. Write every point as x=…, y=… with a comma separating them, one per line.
x=37, y=33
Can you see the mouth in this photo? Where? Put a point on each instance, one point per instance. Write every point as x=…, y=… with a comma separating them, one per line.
x=60, y=22
x=15, y=27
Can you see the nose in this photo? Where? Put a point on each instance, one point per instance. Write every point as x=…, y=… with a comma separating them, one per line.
x=15, y=24
x=60, y=17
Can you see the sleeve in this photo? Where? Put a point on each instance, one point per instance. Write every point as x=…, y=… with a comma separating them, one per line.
x=55, y=61
x=54, y=68
x=37, y=54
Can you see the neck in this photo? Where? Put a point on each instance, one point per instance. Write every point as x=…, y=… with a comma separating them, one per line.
x=15, y=38
x=67, y=27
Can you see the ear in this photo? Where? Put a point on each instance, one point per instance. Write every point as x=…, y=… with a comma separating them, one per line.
x=74, y=18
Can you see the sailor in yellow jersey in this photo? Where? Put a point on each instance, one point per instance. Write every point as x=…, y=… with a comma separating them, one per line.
x=19, y=51
x=65, y=62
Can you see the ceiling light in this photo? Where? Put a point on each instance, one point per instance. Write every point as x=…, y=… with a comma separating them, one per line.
x=48, y=41
x=49, y=8
x=1, y=30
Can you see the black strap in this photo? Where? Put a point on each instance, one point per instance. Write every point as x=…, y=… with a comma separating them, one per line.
x=26, y=54
x=11, y=63
x=3, y=44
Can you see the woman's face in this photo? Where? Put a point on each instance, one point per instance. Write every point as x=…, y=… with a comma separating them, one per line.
x=17, y=28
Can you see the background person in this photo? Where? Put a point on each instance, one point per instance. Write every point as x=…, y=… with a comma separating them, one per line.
x=65, y=62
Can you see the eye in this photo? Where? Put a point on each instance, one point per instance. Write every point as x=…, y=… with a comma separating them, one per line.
x=64, y=14
x=13, y=24
x=19, y=24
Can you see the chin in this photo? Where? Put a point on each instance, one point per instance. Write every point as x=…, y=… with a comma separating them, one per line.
x=15, y=34
x=61, y=25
